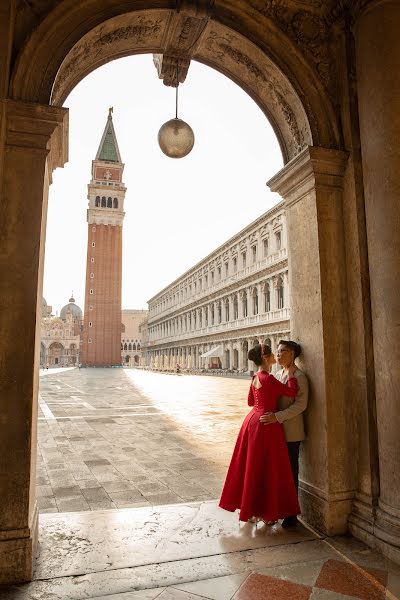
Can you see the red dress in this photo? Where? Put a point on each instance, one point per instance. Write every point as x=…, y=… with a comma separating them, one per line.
x=259, y=479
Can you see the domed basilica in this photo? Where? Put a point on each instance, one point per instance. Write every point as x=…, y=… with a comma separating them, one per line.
x=60, y=336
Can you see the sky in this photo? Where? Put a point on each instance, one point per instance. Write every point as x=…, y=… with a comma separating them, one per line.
x=177, y=211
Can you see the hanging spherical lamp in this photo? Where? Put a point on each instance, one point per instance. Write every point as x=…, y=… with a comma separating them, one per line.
x=176, y=137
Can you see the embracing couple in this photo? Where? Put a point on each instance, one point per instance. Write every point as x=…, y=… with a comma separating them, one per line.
x=262, y=479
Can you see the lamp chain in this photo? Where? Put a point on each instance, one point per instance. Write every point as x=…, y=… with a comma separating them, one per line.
x=176, y=93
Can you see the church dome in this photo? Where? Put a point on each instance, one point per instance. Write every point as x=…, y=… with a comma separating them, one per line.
x=72, y=308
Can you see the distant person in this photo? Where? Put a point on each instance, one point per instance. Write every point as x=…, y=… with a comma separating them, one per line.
x=259, y=480
x=178, y=368
x=47, y=367
x=290, y=410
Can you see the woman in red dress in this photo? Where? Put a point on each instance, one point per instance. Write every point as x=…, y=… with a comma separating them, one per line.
x=259, y=480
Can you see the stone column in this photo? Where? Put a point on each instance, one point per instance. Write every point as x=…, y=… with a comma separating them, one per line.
x=250, y=311
x=34, y=138
x=285, y=289
x=230, y=348
x=378, y=76
x=209, y=315
x=240, y=303
x=249, y=363
x=230, y=304
x=311, y=185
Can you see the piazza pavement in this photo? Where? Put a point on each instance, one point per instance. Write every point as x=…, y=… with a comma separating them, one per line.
x=119, y=438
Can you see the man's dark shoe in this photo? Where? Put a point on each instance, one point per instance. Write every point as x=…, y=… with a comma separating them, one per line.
x=289, y=522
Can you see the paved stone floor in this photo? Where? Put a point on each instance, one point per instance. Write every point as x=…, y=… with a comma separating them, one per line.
x=196, y=551
x=129, y=438
x=118, y=438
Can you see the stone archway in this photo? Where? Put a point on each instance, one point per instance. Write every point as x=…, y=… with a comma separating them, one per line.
x=55, y=354
x=294, y=101
x=66, y=46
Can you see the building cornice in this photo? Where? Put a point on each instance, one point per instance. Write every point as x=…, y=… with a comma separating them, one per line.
x=221, y=249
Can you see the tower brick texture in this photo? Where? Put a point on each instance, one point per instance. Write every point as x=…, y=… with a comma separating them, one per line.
x=101, y=345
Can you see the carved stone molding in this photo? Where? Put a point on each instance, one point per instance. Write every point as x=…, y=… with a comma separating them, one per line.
x=239, y=58
x=39, y=128
x=126, y=34
x=181, y=39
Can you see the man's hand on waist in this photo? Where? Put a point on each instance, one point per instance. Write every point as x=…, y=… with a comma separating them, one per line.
x=268, y=418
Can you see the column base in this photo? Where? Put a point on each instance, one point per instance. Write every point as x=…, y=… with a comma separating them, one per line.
x=327, y=513
x=377, y=527
x=18, y=552
x=362, y=519
x=387, y=531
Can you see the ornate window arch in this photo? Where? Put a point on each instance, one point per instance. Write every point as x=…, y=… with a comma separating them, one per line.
x=103, y=202
x=254, y=295
x=97, y=201
x=227, y=309
x=267, y=297
x=280, y=298
x=235, y=307
x=244, y=303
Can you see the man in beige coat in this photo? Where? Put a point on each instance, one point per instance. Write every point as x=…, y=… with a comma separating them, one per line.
x=290, y=410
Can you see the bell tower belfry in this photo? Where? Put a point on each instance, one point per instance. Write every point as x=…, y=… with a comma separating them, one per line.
x=101, y=346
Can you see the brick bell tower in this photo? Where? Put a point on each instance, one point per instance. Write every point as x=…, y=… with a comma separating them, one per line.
x=101, y=346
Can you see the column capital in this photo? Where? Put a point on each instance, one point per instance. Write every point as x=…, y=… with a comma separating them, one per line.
x=314, y=168
x=38, y=127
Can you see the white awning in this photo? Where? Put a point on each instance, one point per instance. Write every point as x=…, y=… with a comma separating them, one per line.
x=216, y=351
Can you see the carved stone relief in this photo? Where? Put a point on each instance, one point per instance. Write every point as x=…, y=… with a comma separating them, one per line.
x=307, y=23
x=182, y=36
x=120, y=36
x=243, y=61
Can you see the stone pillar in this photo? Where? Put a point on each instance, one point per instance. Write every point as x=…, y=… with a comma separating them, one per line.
x=34, y=139
x=240, y=303
x=230, y=362
x=249, y=365
x=285, y=289
x=208, y=315
x=311, y=184
x=250, y=311
x=378, y=76
x=230, y=305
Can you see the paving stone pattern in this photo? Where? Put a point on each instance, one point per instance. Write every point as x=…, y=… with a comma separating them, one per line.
x=117, y=438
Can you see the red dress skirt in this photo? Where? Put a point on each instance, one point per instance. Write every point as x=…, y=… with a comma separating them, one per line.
x=260, y=480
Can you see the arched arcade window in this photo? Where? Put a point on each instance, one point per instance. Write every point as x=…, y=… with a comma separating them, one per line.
x=255, y=301
x=115, y=202
x=97, y=201
x=267, y=298
x=103, y=202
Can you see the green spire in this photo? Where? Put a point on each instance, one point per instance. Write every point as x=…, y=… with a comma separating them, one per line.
x=108, y=149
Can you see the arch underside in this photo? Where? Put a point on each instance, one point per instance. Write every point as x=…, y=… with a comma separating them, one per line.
x=219, y=47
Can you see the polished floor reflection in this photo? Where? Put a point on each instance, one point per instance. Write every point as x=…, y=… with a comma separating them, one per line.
x=118, y=438
x=197, y=551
